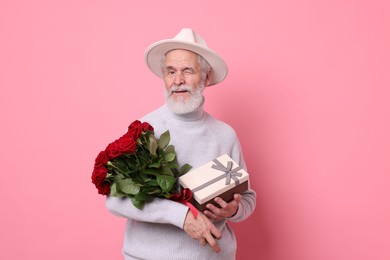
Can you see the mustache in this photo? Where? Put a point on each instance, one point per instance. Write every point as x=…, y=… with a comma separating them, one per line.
x=180, y=88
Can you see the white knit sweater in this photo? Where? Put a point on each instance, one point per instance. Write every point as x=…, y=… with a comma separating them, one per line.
x=156, y=231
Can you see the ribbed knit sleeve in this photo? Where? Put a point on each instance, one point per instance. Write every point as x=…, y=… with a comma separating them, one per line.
x=248, y=198
x=161, y=211
x=246, y=207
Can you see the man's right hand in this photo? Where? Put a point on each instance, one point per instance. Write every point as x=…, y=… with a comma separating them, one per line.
x=202, y=230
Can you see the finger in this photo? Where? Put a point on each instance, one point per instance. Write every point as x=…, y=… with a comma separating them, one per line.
x=220, y=202
x=210, y=215
x=237, y=198
x=215, y=232
x=213, y=209
x=236, y=201
x=212, y=242
x=203, y=242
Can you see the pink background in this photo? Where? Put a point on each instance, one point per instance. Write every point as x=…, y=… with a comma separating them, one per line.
x=308, y=94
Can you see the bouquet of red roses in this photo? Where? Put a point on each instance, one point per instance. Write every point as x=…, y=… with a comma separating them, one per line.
x=139, y=166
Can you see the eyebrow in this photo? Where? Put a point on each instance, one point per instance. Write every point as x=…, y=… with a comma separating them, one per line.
x=185, y=68
x=189, y=68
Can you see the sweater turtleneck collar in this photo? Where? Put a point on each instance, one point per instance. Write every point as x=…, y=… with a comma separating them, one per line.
x=195, y=115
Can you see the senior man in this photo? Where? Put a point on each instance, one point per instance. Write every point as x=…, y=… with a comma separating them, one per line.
x=164, y=229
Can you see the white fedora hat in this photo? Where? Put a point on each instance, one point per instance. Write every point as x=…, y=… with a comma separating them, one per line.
x=186, y=39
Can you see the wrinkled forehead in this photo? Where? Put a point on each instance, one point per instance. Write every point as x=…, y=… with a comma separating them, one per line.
x=180, y=57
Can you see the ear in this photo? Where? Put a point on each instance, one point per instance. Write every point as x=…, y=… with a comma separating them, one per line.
x=207, y=82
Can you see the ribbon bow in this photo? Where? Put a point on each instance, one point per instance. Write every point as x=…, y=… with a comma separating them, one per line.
x=229, y=174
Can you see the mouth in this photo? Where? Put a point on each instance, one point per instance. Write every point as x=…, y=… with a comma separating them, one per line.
x=180, y=91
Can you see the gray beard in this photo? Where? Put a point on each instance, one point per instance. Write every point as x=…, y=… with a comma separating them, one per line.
x=181, y=106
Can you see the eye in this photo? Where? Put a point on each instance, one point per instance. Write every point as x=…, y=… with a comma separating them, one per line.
x=170, y=72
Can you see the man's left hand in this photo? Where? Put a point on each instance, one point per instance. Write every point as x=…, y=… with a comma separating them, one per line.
x=226, y=210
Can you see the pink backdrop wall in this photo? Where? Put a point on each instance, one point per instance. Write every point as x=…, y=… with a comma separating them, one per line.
x=308, y=94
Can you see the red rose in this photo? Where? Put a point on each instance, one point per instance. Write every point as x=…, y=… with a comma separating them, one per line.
x=101, y=159
x=135, y=129
x=147, y=127
x=103, y=188
x=126, y=144
x=99, y=175
x=112, y=150
x=135, y=124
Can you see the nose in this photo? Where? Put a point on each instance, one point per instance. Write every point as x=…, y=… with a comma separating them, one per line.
x=179, y=79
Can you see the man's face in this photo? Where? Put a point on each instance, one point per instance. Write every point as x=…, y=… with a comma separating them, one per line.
x=181, y=68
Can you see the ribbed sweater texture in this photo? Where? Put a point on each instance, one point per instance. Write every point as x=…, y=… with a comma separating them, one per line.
x=155, y=232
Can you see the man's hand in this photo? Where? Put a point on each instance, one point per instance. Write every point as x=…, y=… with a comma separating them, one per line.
x=226, y=210
x=202, y=230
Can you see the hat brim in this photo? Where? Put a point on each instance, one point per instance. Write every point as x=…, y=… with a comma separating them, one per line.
x=156, y=51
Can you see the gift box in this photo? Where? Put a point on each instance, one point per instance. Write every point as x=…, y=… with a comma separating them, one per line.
x=221, y=177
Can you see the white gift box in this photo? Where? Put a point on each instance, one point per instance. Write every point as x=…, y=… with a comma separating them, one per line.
x=221, y=177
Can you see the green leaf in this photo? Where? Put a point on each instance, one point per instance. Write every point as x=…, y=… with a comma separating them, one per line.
x=156, y=164
x=137, y=203
x=154, y=191
x=145, y=178
x=153, y=171
x=139, y=179
x=154, y=183
x=128, y=186
x=142, y=196
x=170, y=149
x=173, y=165
x=169, y=157
x=115, y=192
x=184, y=169
x=164, y=139
x=166, y=170
x=166, y=182
x=152, y=144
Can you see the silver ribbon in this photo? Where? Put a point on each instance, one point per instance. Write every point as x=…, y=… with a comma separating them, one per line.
x=229, y=174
